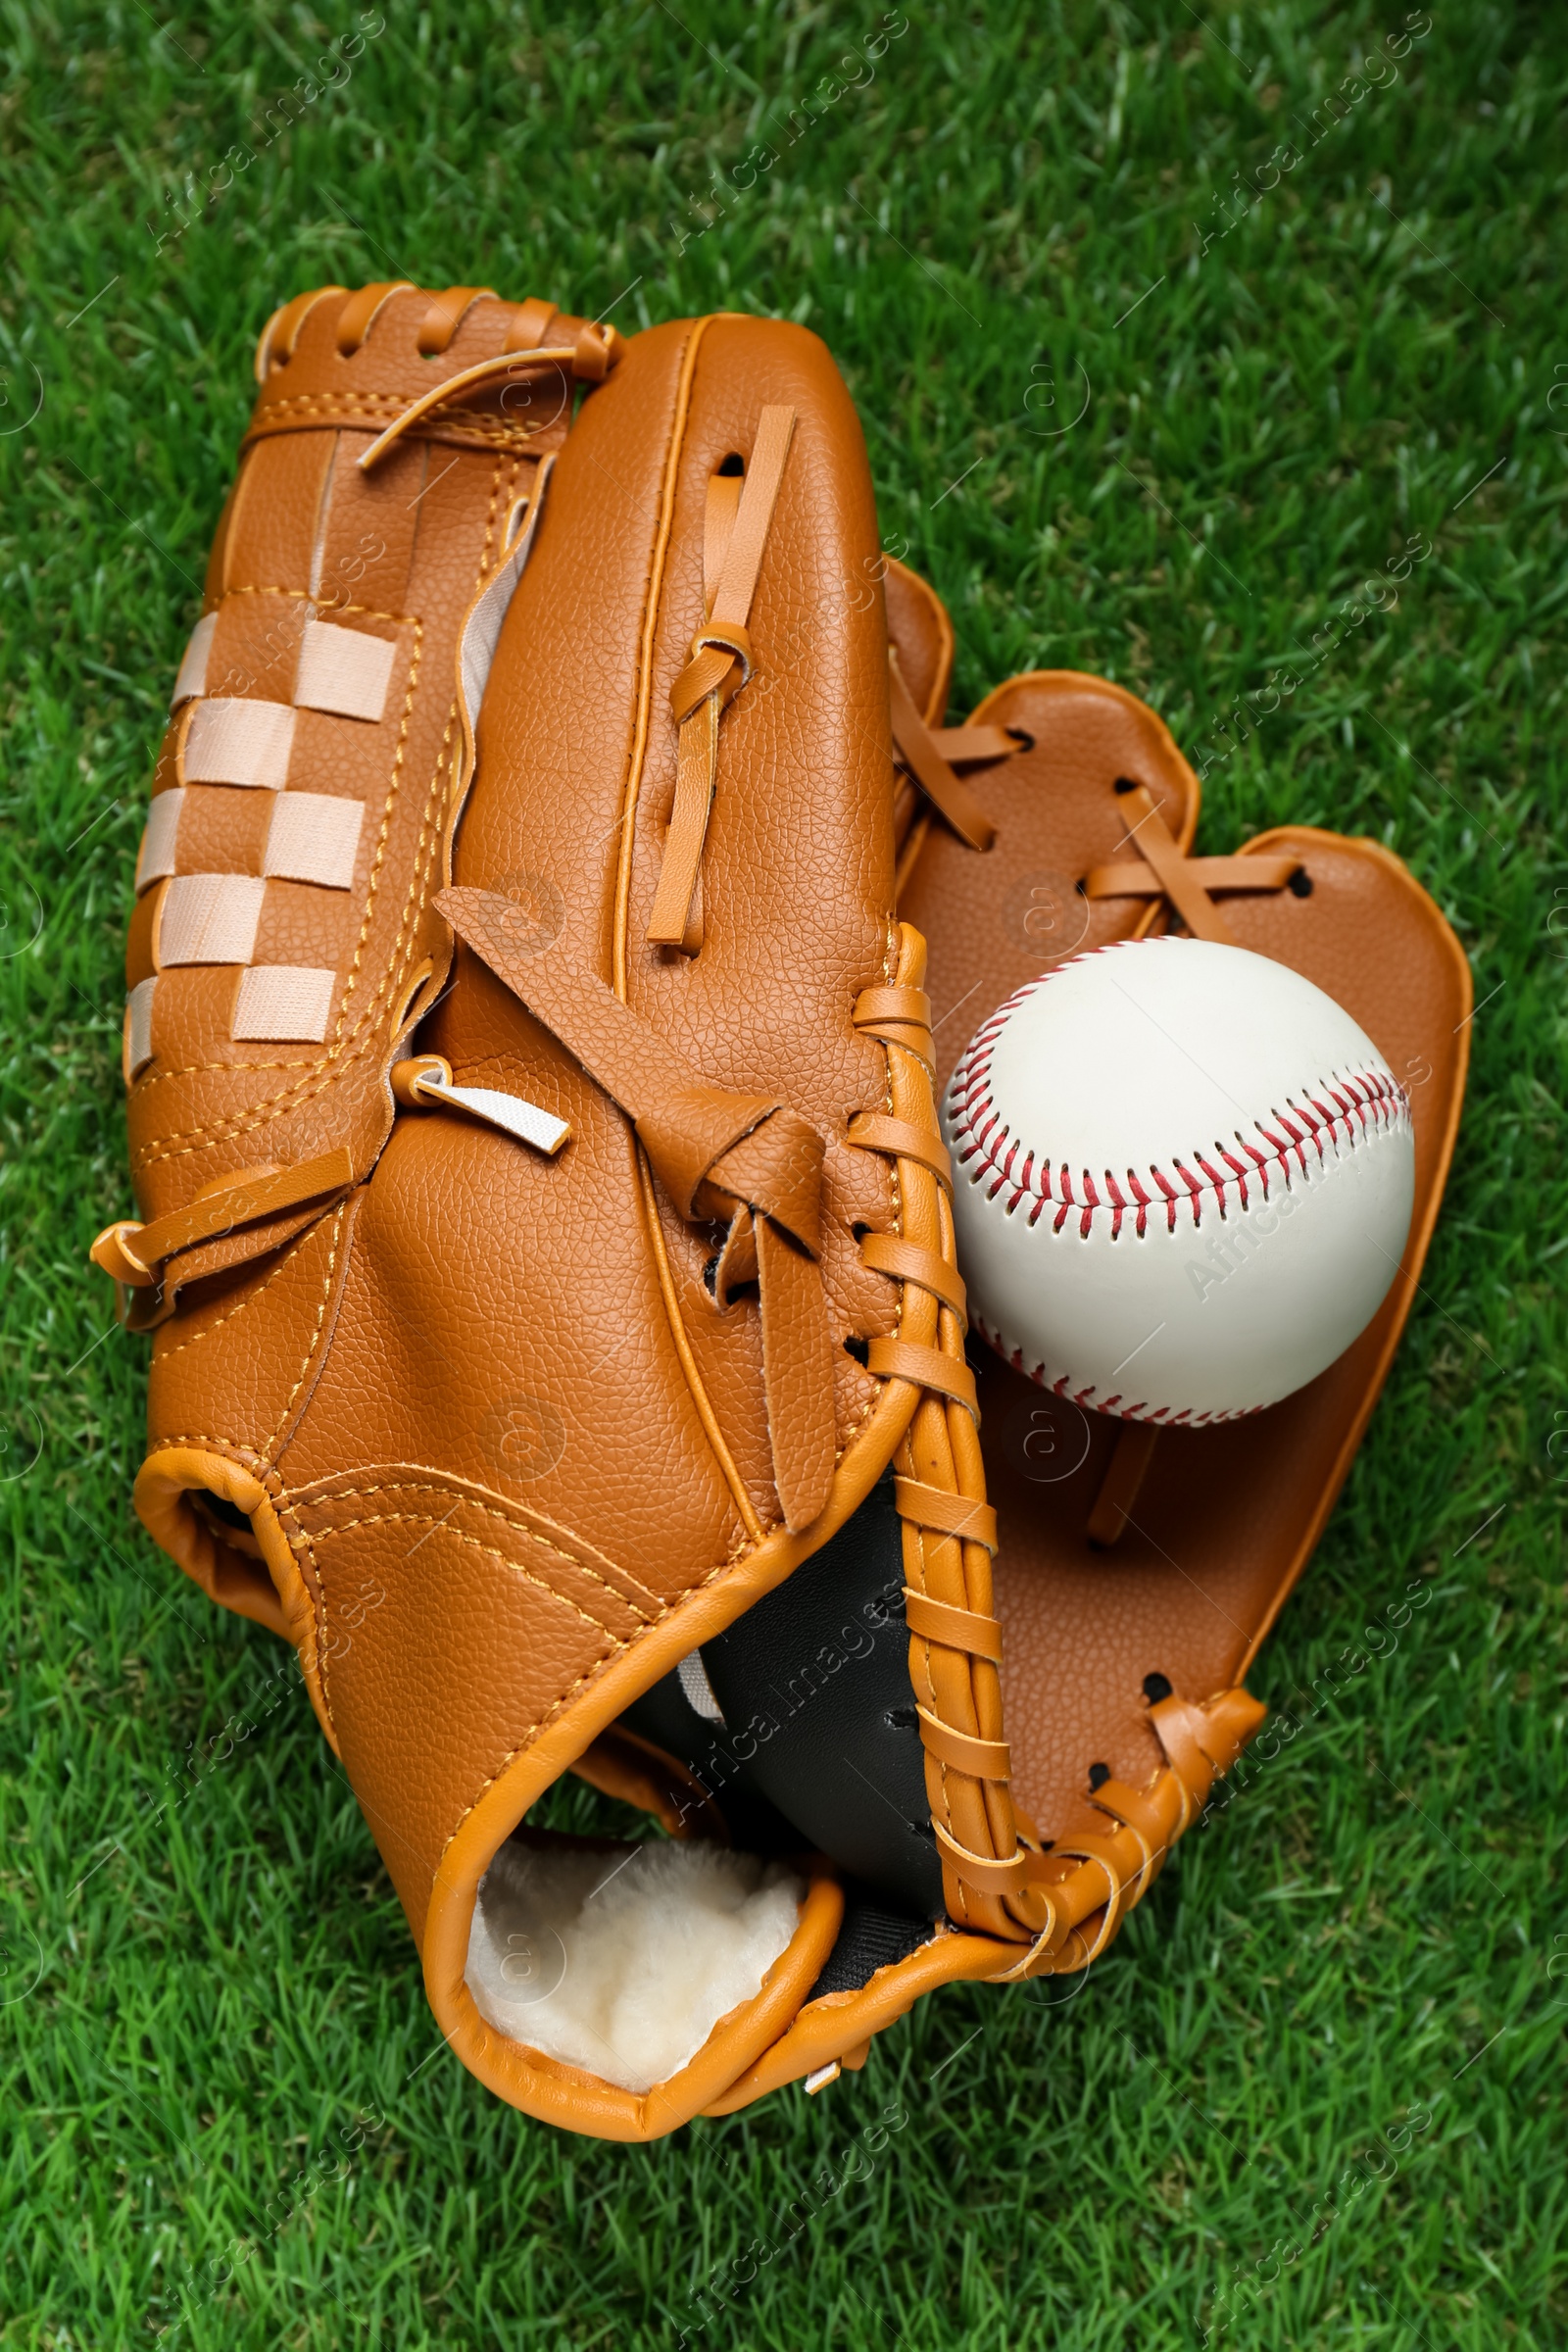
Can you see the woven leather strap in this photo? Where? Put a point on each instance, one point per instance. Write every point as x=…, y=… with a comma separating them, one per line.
x=906, y=1262
x=947, y=1514
x=1136, y=878
x=955, y=1629
x=902, y=1140
x=1173, y=872
x=577, y=358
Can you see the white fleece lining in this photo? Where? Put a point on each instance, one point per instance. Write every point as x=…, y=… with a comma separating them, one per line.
x=622, y=1963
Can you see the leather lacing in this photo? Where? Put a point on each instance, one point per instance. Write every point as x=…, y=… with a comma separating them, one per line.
x=593, y=353
x=1065, y=1900
x=735, y=524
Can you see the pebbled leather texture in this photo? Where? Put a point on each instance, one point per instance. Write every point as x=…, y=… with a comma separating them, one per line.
x=504, y=1455
x=1225, y=1518
x=1123, y=1658
x=395, y=555
x=492, y=1432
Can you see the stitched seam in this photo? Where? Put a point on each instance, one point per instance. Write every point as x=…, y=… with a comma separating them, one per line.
x=338, y=1063
x=393, y=788
x=1163, y=1415
x=438, y=797
x=342, y=408
x=163, y=1355
x=316, y=1336
x=518, y=1526
x=617, y=1643
x=402, y=621
x=490, y=1551
x=932, y=1703
x=319, y=1600
x=360, y=1037
x=1385, y=1106
x=1382, y=1106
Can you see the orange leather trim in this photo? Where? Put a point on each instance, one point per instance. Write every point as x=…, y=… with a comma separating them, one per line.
x=926, y=1367
x=163, y=1483
x=354, y=319
x=874, y=1132
x=579, y=2103
x=984, y=1759
x=831, y=2027
x=276, y=345
x=242, y=1199
x=948, y=1513
x=906, y=1262
x=708, y=683
x=483, y=371
x=918, y=754
x=445, y=316
x=1136, y=879
x=1118, y=1491
x=1174, y=871
x=967, y=1630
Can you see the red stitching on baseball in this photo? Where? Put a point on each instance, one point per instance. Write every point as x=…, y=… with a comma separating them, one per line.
x=1377, y=1102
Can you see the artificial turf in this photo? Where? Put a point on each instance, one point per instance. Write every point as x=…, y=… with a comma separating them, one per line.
x=1143, y=397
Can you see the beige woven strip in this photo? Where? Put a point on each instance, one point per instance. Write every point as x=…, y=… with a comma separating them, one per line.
x=314, y=837
x=282, y=1003
x=192, y=678
x=138, y=1039
x=343, y=672
x=232, y=742
x=157, y=860
x=208, y=919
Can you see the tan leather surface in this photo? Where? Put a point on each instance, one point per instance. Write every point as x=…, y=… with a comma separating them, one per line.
x=508, y=1444
x=993, y=920
x=1225, y=1518
x=507, y=1456
x=922, y=634
x=395, y=554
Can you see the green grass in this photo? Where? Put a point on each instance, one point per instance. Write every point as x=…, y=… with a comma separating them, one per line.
x=1367, y=1948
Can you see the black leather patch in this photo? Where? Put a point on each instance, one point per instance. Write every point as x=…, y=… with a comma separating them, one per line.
x=814, y=1685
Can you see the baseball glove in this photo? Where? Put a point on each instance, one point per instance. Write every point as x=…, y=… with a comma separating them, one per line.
x=547, y=1236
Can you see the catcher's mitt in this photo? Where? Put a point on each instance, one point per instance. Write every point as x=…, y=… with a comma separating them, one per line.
x=580, y=1381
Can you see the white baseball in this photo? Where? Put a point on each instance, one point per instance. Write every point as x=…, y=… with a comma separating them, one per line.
x=1182, y=1179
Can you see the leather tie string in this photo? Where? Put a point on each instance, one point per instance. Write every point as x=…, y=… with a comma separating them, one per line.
x=139, y=1255
x=735, y=531
x=926, y=755
x=1162, y=871
x=743, y=1157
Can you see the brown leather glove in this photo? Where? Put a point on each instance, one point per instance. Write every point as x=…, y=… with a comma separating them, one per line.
x=504, y=1365
x=580, y=1381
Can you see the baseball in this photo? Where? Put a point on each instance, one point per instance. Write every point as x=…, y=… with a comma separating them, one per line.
x=1182, y=1180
